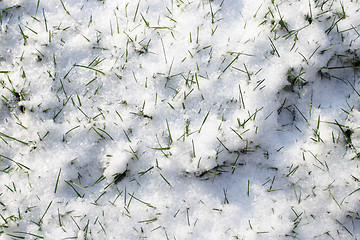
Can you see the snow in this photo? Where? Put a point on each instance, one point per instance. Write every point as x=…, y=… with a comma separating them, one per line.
x=179, y=119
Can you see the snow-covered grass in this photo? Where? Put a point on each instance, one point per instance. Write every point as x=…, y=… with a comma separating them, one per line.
x=179, y=119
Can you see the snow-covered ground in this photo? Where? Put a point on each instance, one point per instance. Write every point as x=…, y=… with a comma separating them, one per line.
x=179, y=119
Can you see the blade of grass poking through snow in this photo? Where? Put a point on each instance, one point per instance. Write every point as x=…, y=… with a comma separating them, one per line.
x=352, y=86
x=236, y=58
x=136, y=11
x=30, y=234
x=127, y=136
x=77, y=193
x=223, y=145
x=258, y=84
x=12, y=138
x=97, y=132
x=161, y=148
x=241, y=98
x=226, y=200
x=202, y=124
x=187, y=216
x=332, y=196
x=165, y=180
x=42, y=217
x=212, y=13
x=90, y=68
x=15, y=236
x=170, y=138
x=57, y=114
x=133, y=152
x=118, y=176
x=148, y=221
x=77, y=225
x=57, y=181
x=82, y=188
x=146, y=22
x=274, y=48
x=99, y=180
x=301, y=113
x=23, y=35
x=292, y=170
x=247, y=72
x=296, y=195
x=346, y=135
x=354, y=192
x=346, y=229
x=105, y=133
x=45, y=20
x=147, y=204
x=144, y=172
x=37, y=7
x=21, y=166
x=163, y=47
x=65, y=8
x=68, y=72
